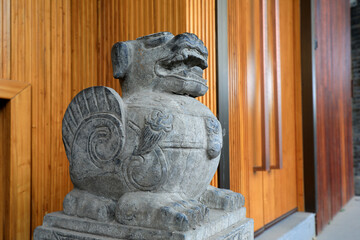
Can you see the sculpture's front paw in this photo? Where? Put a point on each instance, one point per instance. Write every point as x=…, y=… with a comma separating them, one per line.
x=83, y=204
x=223, y=199
x=162, y=211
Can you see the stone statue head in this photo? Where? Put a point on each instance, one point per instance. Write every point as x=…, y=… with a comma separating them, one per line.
x=161, y=62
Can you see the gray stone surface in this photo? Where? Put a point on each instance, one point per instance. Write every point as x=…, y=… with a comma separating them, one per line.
x=345, y=225
x=298, y=226
x=220, y=225
x=146, y=160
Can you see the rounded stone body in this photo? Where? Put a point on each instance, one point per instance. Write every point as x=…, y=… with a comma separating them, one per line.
x=188, y=152
x=172, y=144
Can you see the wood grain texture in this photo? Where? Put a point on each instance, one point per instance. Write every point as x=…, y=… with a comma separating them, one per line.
x=15, y=152
x=244, y=106
x=280, y=185
x=333, y=103
x=5, y=39
x=273, y=79
x=20, y=168
x=9, y=89
x=60, y=92
x=273, y=193
x=298, y=108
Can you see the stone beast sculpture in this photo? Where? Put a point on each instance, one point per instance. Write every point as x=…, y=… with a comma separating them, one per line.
x=147, y=159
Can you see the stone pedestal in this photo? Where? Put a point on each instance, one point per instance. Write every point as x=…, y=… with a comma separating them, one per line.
x=220, y=225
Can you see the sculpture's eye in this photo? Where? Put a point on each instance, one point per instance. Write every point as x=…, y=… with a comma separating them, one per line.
x=156, y=39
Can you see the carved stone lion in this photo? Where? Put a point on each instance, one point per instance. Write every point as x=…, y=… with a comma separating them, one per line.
x=147, y=159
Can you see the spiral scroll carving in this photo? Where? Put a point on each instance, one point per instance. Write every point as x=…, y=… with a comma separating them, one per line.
x=93, y=127
x=98, y=139
x=146, y=172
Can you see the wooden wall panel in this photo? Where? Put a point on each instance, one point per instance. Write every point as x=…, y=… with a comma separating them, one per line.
x=5, y=38
x=333, y=103
x=30, y=62
x=60, y=92
x=84, y=45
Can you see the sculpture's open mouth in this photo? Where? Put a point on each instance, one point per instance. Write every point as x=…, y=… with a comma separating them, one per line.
x=187, y=63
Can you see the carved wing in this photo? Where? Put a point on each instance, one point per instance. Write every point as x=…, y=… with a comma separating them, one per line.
x=93, y=126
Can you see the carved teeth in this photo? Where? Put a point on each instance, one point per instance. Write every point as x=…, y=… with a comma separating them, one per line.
x=188, y=58
x=195, y=54
x=177, y=58
x=191, y=52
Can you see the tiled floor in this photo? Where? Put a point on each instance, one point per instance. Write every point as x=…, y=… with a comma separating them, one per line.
x=345, y=225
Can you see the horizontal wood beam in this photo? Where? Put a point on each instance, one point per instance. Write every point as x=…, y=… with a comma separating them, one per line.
x=9, y=88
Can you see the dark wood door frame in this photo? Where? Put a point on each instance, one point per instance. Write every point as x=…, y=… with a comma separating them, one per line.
x=308, y=85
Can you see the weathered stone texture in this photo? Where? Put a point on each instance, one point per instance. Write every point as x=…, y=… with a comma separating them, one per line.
x=220, y=226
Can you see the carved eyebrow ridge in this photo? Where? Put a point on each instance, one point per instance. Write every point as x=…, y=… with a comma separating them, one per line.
x=156, y=39
x=151, y=43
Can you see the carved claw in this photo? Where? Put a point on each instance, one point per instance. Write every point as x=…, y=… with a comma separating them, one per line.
x=83, y=204
x=162, y=211
x=223, y=199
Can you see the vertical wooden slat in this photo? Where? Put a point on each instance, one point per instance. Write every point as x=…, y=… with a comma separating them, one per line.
x=20, y=165
x=18, y=43
x=274, y=82
x=28, y=65
x=245, y=73
x=280, y=185
x=40, y=80
x=5, y=39
x=298, y=108
x=60, y=97
x=84, y=57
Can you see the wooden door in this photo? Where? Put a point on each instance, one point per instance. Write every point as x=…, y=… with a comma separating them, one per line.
x=263, y=106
